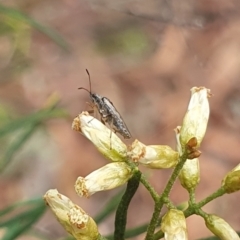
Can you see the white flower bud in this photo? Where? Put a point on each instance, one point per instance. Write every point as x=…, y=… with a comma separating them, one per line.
x=174, y=225
x=106, y=141
x=71, y=216
x=108, y=177
x=231, y=182
x=154, y=156
x=196, y=119
x=190, y=174
x=220, y=228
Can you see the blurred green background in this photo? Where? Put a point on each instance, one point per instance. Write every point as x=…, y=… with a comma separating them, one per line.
x=143, y=55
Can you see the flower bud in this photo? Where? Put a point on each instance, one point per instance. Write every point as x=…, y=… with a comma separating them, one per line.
x=154, y=156
x=190, y=174
x=174, y=225
x=75, y=221
x=231, y=182
x=196, y=119
x=108, y=177
x=220, y=228
x=106, y=141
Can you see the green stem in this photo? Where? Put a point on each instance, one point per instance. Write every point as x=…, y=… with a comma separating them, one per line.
x=121, y=214
x=159, y=204
x=211, y=197
x=154, y=220
x=144, y=181
x=169, y=204
x=174, y=176
x=151, y=190
x=201, y=213
x=192, y=199
x=195, y=208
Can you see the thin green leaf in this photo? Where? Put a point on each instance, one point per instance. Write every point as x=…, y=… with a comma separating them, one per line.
x=28, y=203
x=52, y=34
x=22, y=222
x=31, y=119
x=16, y=145
x=29, y=211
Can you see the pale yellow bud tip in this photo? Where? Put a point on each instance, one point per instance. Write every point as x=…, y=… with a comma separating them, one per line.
x=108, y=177
x=71, y=216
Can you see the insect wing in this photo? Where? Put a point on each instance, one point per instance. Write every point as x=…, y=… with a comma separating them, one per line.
x=117, y=121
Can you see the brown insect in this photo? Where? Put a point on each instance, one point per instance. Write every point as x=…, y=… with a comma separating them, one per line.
x=108, y=112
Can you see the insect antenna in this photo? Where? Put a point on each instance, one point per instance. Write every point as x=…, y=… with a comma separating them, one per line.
x=90, y=85
x=84, y=89
x=89, y=79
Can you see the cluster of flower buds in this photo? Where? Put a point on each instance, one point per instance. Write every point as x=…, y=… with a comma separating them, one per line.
x=111, y=146
x=189, y=137
x=72, y=217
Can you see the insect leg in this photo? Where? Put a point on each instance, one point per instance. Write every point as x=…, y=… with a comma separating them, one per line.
x=92, y=111
x=110, y=122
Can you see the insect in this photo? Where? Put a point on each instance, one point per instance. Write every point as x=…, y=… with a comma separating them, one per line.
x=115, y=121
x=108, y=112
